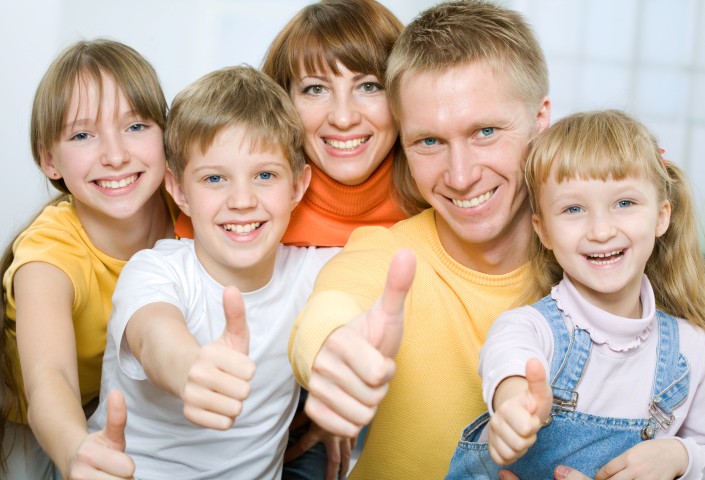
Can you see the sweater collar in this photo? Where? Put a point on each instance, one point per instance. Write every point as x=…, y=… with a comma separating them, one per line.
x=350, y=200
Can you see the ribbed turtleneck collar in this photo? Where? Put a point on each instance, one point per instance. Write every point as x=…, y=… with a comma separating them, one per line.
x=350, y=200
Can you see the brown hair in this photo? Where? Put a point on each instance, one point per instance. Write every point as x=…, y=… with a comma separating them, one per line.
x=459, y=32
x=83, y=61
x=606, y=145
x=233, y=96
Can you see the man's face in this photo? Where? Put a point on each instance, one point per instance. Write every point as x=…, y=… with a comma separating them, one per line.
x=466, y=138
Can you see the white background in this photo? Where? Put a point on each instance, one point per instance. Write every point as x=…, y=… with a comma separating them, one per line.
x=645, y=56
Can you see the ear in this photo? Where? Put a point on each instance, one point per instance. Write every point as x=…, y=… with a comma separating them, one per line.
x=46, y=162
x=543, y=115
x=300, y=186
x=538, y=228
x=177, y=193
x=664, y=218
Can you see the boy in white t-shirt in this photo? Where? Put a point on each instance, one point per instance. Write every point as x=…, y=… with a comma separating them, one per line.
x=179, y=348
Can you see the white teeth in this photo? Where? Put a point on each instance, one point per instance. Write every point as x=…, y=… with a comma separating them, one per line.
x=346, y=145
x=473, y=202
x=611, y=257
x=117, y=183
x=241, y=229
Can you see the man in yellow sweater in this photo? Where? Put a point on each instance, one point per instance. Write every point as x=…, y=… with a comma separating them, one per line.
x=468, y=85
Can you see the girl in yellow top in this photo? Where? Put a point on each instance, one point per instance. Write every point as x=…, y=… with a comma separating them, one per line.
x=96, y=133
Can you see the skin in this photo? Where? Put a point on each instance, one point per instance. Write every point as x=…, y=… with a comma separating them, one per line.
x=466, y=139
x=93, y=155
x=349, y=129
x=584, y=218
x=464, y=136
x=579, y=219
x=240, y=201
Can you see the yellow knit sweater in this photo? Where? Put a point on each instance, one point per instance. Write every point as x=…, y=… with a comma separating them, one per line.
x=436, y=390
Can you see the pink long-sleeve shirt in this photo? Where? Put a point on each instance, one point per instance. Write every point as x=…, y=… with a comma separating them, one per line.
x=618, y=378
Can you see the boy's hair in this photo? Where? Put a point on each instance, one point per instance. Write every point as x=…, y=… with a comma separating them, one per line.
x=455, y=33
x=233, y=96
x=611, y=145
x=84, y=62
x=357, y=33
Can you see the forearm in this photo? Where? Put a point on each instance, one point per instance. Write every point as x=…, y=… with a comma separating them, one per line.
x=158, y=337
x=56, y=417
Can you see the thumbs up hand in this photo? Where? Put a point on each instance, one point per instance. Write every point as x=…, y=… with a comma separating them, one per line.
x=218, y=380
x=102, y=453
x=352, y=371
x=522, y=405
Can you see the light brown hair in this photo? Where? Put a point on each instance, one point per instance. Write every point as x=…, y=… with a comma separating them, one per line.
x=455, y=33
x=228, y=97
x=611, y=145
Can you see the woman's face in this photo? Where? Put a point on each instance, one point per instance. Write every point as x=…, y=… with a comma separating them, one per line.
x=349, y=129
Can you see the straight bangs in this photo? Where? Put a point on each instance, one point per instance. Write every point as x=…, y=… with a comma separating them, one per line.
x=605, y=145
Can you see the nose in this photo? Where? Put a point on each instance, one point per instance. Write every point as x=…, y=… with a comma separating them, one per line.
x=462, y=170
x=241, y=196
x=602, y=227
x=344, y=112
x=114, y=151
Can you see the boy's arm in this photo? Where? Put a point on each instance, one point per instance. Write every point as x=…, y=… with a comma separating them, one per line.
x=212, y=380
x=351, y=373
x=47, y=348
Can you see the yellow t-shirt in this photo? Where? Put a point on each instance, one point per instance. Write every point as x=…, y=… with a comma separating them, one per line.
x=436, y=390
x=58, y=238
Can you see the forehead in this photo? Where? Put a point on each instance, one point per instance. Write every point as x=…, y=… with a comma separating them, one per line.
x=91, y=96
x=236, y=145
x=469, y=95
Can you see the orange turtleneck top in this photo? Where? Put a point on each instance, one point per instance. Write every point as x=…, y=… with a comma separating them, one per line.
x=330, y=211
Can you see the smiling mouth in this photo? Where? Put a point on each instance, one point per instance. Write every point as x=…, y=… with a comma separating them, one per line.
x=240, y=228
x=605, y=258
x=114, y=184
x=347, y=144
x=475, y=201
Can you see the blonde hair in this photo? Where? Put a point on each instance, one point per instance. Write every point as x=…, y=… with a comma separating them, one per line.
x=87, y=61
x=455, y=33
x=611, y=145
x=228, y=97
x=83, y=61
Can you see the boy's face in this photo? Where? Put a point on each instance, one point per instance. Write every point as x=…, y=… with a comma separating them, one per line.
x=466, y=139
x=239, y=201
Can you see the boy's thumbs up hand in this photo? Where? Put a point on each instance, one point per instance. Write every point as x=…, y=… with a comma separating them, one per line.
x=351, y=373
x=218, y=381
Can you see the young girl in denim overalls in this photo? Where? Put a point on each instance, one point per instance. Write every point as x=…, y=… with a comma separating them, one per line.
x=612, y=359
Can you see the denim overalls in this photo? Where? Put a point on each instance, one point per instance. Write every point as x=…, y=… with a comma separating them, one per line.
x=578, y=440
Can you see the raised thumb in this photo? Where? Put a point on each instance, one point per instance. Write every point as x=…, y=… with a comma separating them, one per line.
x=236, y=333
x=386, y=322
x=116, y=419
x=539, y=389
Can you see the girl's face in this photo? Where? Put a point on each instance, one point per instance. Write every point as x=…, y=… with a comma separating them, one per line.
x=602, y=234
x=111, y=160
x=349, y=129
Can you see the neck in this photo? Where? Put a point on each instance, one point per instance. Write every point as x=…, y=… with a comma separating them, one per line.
x=497, y=256
x=122, y=238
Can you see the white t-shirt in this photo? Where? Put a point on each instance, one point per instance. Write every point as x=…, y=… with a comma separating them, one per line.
x=162, y=442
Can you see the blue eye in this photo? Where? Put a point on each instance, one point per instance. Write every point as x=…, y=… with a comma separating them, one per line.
x=430, y=141
x=574, y=209
x=80, y=136
x=265, y=175
x=137, y=127
x=213, y=179
x=625, y=203
x=486, y=132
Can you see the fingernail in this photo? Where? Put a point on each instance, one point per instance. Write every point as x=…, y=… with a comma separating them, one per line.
x=562, y=472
